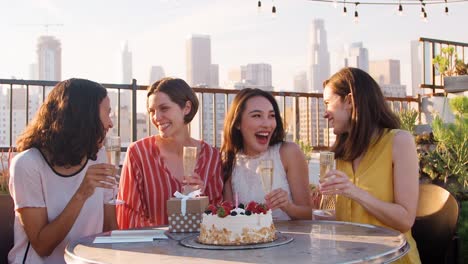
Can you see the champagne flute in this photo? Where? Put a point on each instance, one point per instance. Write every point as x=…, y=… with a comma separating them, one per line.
x=112, y=145
x=266, y=174
x=189, y=162
x=327, y=163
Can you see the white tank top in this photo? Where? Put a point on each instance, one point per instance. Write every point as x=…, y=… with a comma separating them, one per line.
x=246, y=181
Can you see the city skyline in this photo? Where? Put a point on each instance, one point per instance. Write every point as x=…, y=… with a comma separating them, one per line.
x=156, y=32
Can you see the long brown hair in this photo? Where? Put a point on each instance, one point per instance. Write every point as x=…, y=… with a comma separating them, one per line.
x=370, y=114
x=179, y=92
x=232, y=136
x=67, y=126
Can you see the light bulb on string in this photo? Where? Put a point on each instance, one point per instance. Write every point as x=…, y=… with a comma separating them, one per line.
x=446, y=8
x=259, y=6
x=425, y=17
x=423, y=12
x=400, y=9
x=344, y=11
x=273, y=11
x=356, y=15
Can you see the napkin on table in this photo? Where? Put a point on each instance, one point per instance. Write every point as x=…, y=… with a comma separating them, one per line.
x=126, y=236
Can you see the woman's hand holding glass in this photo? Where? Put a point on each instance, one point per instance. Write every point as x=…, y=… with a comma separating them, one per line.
x=195, y=182
x=337, y=182
x=278, y=198
x=97, y=175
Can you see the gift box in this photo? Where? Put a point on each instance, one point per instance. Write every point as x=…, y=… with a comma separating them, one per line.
x=188, y=221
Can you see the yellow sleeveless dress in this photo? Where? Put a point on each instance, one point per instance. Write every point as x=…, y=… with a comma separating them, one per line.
x=374, y=175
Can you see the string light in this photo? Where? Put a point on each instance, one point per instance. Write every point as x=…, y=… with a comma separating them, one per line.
x=423, y=11
x=356, y=15
x=400, y=9
x=399, y=4
x=273, y=8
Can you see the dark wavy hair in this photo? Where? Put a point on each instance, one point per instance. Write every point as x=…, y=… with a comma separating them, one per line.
x=370, y=114
x=179, y=92
x=233, y=140
x=67, y=126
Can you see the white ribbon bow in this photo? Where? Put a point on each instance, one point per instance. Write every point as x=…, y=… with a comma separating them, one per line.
x=183, y=206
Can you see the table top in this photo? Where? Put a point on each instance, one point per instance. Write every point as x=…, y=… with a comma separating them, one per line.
x=313, y=242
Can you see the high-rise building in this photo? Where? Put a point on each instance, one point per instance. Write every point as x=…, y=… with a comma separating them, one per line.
x=214, y=76
x=319, y=57
x=357, y=56
x=202, y=73
x=300, y=82
x=257, y=75
x=318, y=71
x=198, y=60
x=387, y=75
x=156, y=73
x=415, y=68
x=385, y=71
x=127, y=68
x=49, y=58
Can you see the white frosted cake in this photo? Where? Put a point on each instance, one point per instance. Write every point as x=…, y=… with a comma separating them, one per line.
x=224, y=225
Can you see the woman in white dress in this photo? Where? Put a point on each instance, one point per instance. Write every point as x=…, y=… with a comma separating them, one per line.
x=59, y=180
x=253, y=131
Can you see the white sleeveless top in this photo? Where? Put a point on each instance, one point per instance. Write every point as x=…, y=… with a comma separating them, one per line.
x=246, y=181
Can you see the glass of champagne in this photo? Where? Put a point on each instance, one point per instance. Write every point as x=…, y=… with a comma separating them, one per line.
x=189, y=162
x=266, y=174
x=112, y=145
x=327, y=203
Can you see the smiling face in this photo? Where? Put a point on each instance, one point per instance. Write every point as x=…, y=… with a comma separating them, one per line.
x=337, y=111
x=257, y=125
x=166, y=116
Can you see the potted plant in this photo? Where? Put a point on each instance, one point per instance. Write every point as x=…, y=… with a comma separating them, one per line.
x=452, y=70
x=446, y=163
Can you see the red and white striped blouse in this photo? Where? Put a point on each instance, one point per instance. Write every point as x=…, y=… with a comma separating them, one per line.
x=146, y=183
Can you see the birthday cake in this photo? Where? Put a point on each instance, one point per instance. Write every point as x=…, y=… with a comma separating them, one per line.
x=226, y=225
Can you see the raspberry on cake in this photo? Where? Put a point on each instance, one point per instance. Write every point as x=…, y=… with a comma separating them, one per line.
x=226, y=225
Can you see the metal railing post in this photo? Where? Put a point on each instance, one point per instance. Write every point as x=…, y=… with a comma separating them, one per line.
x=134, y=111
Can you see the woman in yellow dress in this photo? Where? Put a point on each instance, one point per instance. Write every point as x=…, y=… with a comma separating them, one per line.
x=376, y=176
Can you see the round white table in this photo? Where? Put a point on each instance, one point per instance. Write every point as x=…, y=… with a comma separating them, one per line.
x=313, y=242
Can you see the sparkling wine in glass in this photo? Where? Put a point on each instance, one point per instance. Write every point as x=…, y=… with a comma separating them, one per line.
x=266, y=174
x=327, y=163
x=112, y=145
x=189, y=162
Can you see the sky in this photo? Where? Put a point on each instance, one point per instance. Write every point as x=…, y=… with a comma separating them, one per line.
x=93, y=32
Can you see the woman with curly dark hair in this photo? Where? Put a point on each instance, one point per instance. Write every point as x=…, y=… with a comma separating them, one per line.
x=59, y=180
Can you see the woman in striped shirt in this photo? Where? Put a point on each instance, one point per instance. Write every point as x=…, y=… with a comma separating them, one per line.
x=153, y=171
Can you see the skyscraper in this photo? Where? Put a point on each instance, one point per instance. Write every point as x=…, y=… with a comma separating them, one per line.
x=357, y=56
x=387, y=75
x=156, y=73
x=319, y=57
x=318, y=71
x=300, y=82
x=416, y=73
x=198, y=60
x=257, y=75
x=127, y=72
x=201, y=73
x=49, y=58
